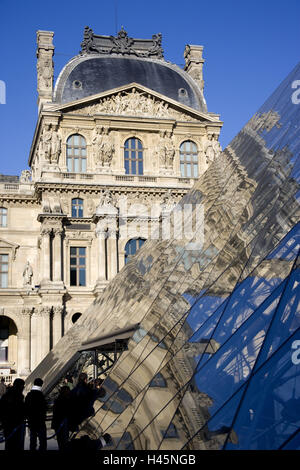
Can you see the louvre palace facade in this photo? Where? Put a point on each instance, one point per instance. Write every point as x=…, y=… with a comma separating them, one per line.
x=120, y=138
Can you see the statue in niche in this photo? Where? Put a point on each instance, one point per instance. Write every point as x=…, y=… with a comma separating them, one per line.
x=212, y=148
x=27, y=274
x=103, y=147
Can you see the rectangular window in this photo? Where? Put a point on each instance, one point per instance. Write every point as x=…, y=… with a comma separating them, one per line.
x=77, y=266
x=3, y=271
x=3, y=217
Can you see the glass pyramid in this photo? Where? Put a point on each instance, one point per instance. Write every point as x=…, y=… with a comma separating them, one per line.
x=198, y=337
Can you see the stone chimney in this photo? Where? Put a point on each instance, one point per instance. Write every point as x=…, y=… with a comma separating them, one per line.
x=45, y=68
x=194, y=63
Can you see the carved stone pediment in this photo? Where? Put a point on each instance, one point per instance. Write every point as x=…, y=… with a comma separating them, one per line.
x=135, y=100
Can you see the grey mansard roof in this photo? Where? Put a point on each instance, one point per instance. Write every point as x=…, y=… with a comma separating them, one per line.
x=107, y=62
x=88, y=75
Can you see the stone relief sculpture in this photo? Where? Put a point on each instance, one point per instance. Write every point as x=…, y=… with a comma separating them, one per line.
x=135, y=104
x=27, y=274
x=212, y=148
x=103, y=147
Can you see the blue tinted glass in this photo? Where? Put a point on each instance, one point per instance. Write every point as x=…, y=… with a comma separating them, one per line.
x=133, y=167
x=139, y=144
x=133, y=143
x=140, y=163
x=127, y=167
x=273, y=397
x=82, y=251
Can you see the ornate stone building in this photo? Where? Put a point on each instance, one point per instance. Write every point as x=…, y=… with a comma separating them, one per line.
x=120, y=138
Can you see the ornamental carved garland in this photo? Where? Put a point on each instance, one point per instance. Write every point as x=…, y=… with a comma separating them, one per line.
x=134, y=103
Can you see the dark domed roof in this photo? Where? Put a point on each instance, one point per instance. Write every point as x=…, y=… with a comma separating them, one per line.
x=88, y=75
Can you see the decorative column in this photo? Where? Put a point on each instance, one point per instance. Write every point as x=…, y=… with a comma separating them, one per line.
x=57, y=259
x=57, y=323
x=112, y=253
x=102, y=261
x=45, y=249
x=24, y=346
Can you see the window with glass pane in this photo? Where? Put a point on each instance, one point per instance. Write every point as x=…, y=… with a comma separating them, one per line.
x=188, y=159
x=132, y=247
x=77, y=207
x=3, y=271
x=3, y=217
x=133, y=157
x=76, y=154
x=77, y=266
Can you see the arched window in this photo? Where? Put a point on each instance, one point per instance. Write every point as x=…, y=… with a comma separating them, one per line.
x=133, y=157
x=3, y=217
x=77, y=207
x=76, y=154
x=188, y=159
x=132, y=247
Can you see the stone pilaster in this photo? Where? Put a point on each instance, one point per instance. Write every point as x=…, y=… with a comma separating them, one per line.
x=57, y=255
x=45, y=253
x=57, y=323
x=44, y=331
x=24, y=346
x=102, y=261
x=112, y=254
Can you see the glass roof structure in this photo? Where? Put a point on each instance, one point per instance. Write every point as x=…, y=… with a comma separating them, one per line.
x=208, y=350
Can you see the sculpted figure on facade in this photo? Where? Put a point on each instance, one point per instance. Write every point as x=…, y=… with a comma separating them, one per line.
x=103, y=147
x=45, y=143
x=166, y=150
x=25, y=176
x=44, y=69
x=27, y=274
x=50, y=144
x=169, y=150
x=106, y=199
x=212, y=148
x=55, y=146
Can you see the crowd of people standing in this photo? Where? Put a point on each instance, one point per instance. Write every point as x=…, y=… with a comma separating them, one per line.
x=71, y=407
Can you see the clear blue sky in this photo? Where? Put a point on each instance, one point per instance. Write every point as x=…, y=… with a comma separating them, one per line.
x=249, y=47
